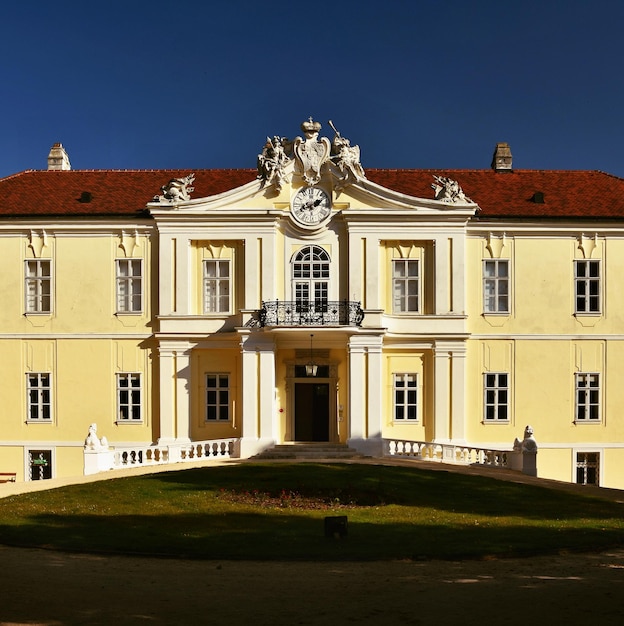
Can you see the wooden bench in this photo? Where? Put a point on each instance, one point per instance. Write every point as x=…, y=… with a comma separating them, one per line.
x=7, y=477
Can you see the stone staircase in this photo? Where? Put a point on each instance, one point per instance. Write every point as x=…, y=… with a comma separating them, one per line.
x=309, y=451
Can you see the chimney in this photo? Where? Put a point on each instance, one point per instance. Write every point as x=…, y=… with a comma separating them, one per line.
x=58, y=159
x=501, y=161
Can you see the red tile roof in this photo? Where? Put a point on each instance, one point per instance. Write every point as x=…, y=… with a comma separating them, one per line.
x=566, y=194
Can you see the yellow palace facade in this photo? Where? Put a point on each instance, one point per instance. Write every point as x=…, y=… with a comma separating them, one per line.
x=312, y=301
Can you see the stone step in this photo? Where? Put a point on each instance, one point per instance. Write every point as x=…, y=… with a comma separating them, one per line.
x=309, y=451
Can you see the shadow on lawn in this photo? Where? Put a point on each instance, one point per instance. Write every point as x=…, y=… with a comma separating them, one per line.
x=284, y=536
x=372, y=485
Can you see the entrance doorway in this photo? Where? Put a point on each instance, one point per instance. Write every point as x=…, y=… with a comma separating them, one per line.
x=312, y=411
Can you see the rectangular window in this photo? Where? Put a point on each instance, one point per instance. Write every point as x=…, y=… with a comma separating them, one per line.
x=39, y=464
x=129, y=285
x=587, y=468
x=38, y=286
x=406, y=286
x=587, y=286
x=496, y=286
x=129, y=397
x=405, y=397
x=496, y=397
x=217, y=397
x=217, y=286
x=39, y=397
x=587, y=397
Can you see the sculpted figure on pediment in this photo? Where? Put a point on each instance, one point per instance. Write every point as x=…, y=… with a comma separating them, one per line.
x=347, y=158
x=448, y=190
x=272, y=162
x=311, y=153
x=177, y=190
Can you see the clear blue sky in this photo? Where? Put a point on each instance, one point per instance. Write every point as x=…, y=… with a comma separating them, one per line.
x=150, y=84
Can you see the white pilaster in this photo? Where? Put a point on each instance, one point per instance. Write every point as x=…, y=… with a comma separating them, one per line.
x=442, y=391
x=357, y=378
x=458, y=394
x=183, y=278
x=442, y=276
x=372, y=273
x=268, y=411
x=365, y=391
x=165, y=275
x=183, y=395
x=166, y=392
x=175, y=392
x=458, y=302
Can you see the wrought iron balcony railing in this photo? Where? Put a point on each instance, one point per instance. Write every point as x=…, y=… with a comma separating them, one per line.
x=305, y=313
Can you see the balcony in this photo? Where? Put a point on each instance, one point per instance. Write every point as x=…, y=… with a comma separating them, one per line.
x=303, y=313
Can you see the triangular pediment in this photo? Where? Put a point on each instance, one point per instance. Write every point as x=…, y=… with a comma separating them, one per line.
x=315, y=168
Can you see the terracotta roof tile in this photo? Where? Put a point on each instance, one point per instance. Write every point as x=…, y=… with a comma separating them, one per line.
x=566, y=194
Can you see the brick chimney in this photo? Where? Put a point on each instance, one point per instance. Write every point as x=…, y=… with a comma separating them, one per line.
x=501, y=161
x=58, y=159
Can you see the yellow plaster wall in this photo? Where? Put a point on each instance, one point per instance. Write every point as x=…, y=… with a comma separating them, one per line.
x=83, y=284
x=221, y=361
x=403, y=362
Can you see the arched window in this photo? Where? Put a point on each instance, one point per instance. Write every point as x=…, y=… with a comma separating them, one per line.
x=310, y=274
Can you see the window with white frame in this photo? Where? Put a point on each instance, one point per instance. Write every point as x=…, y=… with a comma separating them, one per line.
x=587, y=397
x=38, y=286
x=587, y=286
x=217, y=397
x=129, y=285
x=496, y=397
x=587, y=468
x=405, y=394
x=406, y=285
x=217, y=283
x=310, y=273
x=129, y=397
x=496, y=286
x=39, y=396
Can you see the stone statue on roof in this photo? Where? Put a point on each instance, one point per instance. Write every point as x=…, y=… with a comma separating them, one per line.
x=177, y=190
x=448, y=190
x=272, y=162
x=347, y=158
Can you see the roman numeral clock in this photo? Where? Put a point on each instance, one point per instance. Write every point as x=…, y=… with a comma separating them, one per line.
x=311, y=206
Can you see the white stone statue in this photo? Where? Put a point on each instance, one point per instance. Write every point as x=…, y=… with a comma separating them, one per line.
x=347, y=158
x=311, y=153
x=528, y=444
x=92, y=442
x=177, y=190
x=448, y=190
x=272, y=162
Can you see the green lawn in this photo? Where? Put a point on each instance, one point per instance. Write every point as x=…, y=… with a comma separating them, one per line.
x=277, y=511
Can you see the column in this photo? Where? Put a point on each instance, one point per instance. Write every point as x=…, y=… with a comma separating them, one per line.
x=365, y=392
x=441, y=276
x=375, y=388
x=175, y=392
x=183, y=285
x=183, y=395
x=166, y=269
x=268, y=411
x=249, y=399
x=458, y=394
x=441, y=400
x=357, y=406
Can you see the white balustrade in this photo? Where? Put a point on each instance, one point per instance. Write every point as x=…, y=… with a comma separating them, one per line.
x=140, y=455
x=445, y=453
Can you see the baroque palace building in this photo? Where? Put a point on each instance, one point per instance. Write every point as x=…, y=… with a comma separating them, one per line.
x=309, y=300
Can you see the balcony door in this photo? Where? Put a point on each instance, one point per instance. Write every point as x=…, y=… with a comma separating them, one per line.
x=310, y=276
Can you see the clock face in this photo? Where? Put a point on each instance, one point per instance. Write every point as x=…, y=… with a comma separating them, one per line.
x=311, y=206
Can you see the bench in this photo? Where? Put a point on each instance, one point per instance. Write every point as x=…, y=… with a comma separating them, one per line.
x=7, y=477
